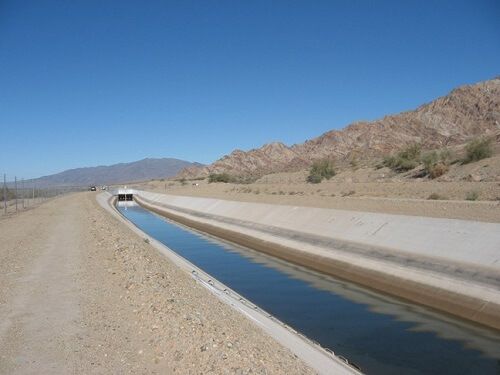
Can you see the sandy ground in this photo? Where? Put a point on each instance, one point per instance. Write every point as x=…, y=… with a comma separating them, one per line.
x=82, y=294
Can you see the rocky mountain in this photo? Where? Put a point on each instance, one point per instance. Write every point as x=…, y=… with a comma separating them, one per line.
x=145, y=169
x=466, y=112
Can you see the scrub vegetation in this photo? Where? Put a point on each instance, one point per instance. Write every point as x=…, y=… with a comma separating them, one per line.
x=320, y=170
x=219, y=177
x=405, y=160
x=478, y=149
x=436, y=163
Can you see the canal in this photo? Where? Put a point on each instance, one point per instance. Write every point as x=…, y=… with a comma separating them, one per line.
x=381, y=334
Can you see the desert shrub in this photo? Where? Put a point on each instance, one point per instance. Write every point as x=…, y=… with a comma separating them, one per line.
x=320, y=170
x=445, y=155
x=472, y=195
x=438, y=170
x=314, y=178
x=404, y=160
x=410, y=152
x=477, y=149
x=435, y=197
x=404, y=165
x=348, y=193
x=430, y=159
x=219, y=177
x=436, y=164
x=389, y=161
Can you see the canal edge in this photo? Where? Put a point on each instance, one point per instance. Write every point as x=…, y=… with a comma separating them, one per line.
x=322, y=360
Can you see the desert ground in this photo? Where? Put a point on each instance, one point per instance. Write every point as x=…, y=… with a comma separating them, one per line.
x=83, y=294
x=366, y=188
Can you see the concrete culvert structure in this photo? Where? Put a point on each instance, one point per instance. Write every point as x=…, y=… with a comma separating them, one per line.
x=124, y=194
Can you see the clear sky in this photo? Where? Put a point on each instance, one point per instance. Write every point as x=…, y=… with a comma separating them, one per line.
x=86, y=83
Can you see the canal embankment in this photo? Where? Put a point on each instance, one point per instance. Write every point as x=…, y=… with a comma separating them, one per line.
x=450, y=265
x=81, y=293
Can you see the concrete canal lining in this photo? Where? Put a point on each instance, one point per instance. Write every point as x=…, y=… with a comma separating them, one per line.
x=450, y=265
x=321, y=360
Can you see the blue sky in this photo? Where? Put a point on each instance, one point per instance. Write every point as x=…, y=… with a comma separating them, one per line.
x=86, y=83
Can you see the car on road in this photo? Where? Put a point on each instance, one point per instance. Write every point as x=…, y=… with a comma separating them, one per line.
x=93, y=188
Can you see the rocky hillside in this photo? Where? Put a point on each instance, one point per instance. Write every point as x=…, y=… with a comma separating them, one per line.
x=468, y=111
x=124, y=172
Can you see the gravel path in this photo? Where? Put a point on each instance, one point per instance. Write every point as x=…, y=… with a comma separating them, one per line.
x=82, y=294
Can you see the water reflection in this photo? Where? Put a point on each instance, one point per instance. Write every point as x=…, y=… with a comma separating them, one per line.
x=382, y=334
x=422, y=318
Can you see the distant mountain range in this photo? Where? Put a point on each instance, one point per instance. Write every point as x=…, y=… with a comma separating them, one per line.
x=466, y=112
x=145, y=169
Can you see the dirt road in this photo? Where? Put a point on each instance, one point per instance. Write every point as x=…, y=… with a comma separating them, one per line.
x=80, y=293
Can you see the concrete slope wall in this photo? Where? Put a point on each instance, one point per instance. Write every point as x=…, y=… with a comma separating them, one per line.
x=450, y=265
x=457, y=240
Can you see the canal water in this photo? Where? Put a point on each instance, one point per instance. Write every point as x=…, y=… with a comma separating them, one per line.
x=382, y=335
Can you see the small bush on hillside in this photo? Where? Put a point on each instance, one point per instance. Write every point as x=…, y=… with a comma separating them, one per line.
x=404, y=160
x=219, y=177
x=411, y=152
x=404, y=165
x=430, y=159
x=477, y=149
x=438, y=170
x=314, y=178
x=445, y=155
x=436, y=197
x=348, y=193
x=320, y=170
x=389, y=161
x=472, y=196
x=436, y=164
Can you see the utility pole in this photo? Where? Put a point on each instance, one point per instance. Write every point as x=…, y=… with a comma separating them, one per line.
x=15, y=188
x=4, y=194
x=22, y=184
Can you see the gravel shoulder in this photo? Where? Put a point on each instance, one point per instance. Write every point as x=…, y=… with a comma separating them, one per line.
x=82, y=294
